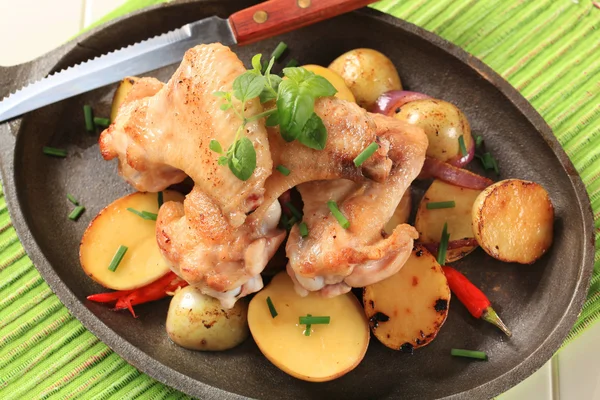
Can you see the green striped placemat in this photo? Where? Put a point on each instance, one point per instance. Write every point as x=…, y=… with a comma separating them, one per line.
x=547, y=49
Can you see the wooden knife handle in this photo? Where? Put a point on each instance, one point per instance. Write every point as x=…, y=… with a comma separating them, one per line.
x=275, y=17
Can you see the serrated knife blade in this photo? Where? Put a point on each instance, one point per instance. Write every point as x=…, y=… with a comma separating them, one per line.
x=252, y=24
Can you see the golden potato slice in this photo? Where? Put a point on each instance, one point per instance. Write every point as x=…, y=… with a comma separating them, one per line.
x=329, y=352
x=120, y=94
x=430, y=223
x=115, y=226
x=407, y=310
x=335, y=79
x=513, y=221
x=401, y=214
x=367, y=73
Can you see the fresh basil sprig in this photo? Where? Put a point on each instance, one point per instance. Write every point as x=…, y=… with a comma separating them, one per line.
x=294, y=111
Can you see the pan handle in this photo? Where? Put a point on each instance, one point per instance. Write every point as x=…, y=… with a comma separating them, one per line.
x=275, y=17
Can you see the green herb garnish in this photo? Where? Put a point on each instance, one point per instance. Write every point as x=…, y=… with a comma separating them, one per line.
x=463, y=147
x=292, y=63
x=303, y=229
x=435, y=205
x=365, y=154
x=72, y=199
x=441, y=255
x=281, y=47
x=271, y=307
x=479, y=355
x=76, y=213
x=89, y=118
x=308, y=327
x=52, y=151
x=333, y=207
x=295, y=212
x=283, y=170
x=103, y=122
x=478, y=141
x=160, y=199
x=143, y=214
x=116, y=260
x=310, y=320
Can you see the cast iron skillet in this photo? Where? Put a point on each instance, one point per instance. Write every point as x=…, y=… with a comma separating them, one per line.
x=539, y=302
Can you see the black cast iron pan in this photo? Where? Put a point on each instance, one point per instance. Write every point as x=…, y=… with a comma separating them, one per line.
x=539, y=302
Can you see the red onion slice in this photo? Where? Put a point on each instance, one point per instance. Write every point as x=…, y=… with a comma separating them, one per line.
x=434, y=168
x=460, y=160
x=388, y=102
x=452, y=244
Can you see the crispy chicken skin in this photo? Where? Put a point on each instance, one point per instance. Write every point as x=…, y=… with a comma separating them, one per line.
x=332, y=259
x=161, y=138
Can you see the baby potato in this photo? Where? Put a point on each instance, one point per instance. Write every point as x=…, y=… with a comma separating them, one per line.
x=115, y=226
x=368, y=74
x=443, y=124
x=120, y=94
x=335, y=79
x=513, y=221
x=198, y=322
x=330, y=351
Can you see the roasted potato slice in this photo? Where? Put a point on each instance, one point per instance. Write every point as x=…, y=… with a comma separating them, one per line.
x=513, y=221
x=368, y=74
x=430, y=223
x=120, y=94
x=329, y=352
x=401, y=214
x=407, y=310
x=115, y=226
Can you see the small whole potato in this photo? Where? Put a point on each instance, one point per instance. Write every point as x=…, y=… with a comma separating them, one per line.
x=443, y=124
x=198, y=322
x=367, y=73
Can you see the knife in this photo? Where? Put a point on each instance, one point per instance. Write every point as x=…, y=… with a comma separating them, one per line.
x=250, y=25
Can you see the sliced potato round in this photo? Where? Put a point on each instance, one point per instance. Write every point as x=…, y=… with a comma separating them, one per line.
x=335, y=79
x=329, y=352
x=430, y=223
x=120, y=94
x=401, y=214
x=198, y=322
x=115, y=226
x=367, y=73
x=513, y=221
x=407, y=310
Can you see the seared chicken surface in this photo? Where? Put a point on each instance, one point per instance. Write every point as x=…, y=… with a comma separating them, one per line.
x=332, y=259
x=221, y=238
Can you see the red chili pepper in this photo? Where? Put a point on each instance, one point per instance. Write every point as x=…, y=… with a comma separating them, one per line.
x=474, y=299
x=156, y=290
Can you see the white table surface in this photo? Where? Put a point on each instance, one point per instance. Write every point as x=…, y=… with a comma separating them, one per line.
x=35, y=27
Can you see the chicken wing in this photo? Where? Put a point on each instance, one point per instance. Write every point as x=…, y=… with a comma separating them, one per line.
x=161, y=138
x=332, y=259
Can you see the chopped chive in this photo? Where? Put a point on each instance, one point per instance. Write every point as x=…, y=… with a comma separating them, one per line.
x=89, y=118
x=283, y=170
x=143, y=214
x=116, y=260
x=333, y=207
x=284, y=221
x=494, y=165
x=52, y=151
x=441, y=255
x=434, y=205
x=303, y=229
x=291, y=222
x=76, y=213
x=479, y=355
x=366, y=153
x=478, y=141
x=308, y=327
x=292, y=63
x=281, y=47
x=72, y=199
x=160, y=200
x=463, y=147
x=271, y=307
x=485, y=163
x=310, y=320
x=297, y=214
x=103, y=122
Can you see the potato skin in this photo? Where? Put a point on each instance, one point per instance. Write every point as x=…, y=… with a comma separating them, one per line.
x=513, y=221
x=367, y=73
x=123, y=89
x=197, y=321
x=443, y=124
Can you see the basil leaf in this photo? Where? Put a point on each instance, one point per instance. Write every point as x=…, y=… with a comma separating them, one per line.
x=225, y=106
x=220, y=94
x=269, y=66
x=295, y=106
x=297, y=74
x=223, y=160
x=319, y=86
x=248, y=85
x=215, y=146
x=272, y=120
x=256, y=64
x=314, y=133
x=243, y=160
x=268, y=94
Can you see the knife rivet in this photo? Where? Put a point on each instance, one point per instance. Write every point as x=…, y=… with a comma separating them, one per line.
x=260, y=17
x=303, y=3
